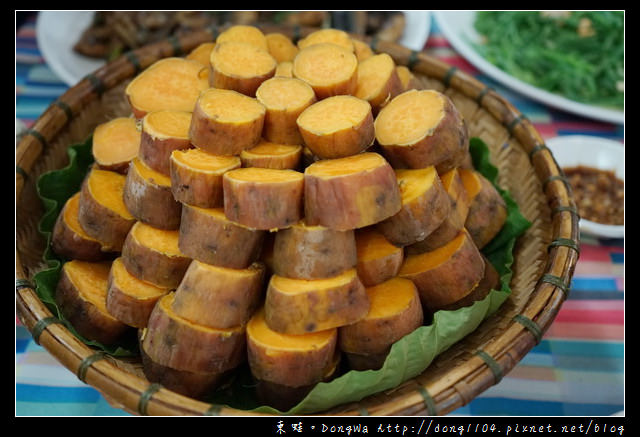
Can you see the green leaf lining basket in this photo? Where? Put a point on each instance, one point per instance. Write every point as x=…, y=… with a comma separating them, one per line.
x=497, y=332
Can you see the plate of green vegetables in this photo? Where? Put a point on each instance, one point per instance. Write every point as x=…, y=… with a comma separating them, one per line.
x=570, y=60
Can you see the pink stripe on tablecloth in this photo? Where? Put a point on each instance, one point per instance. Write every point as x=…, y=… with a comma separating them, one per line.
x=597, y=268
x=593, y=304
x=610, y=317
x=461, y=63
x=590, y=252
x=590, y=331
x=546, y=130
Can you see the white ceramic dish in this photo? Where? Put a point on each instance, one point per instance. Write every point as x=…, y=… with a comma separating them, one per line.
x=457, y=27
x=58, y=31
x=595, y=152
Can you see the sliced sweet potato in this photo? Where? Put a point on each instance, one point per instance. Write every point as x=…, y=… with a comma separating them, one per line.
x=195, y=385
x=219, y=297
x=225, y=122
x=284, y=69
x=148, y=197
x=407, y=78
x=361, y=49
x=395, y=310
x=425, y=205
x=170, y=83
x=337, y=126
x=447, y=274
x=263, y=198
x=487, y=209
x=196, y=176
x=130, y=299
x=313, y=252
x=327, y=35
x=115, y=143
x=246, y=34
x=490, y=281
x=283, y=397
x=299, y=306
x=378, y=81
x=162, y=133
x=352, y=192
x=175, y=342
x=240, y=66
x=69, y=240
x=419, y=128
x=272, y=155
x=202, y=53
x=330, y=69
x=291, y=360
x=153, y=255
x=81, y=295
x=207, y=235
x=102, y=212
x=281, y=47
x=454, y=222
x=378, y=259
x=284, y=100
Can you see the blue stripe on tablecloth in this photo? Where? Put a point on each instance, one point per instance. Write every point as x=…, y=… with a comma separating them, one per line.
x=617, y=257
x=584, y=348
x=41, y=393
x=499, y=406
x=596, y=295
x=594, y=284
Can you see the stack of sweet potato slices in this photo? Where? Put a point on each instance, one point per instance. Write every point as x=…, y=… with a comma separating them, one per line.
x=299, y=206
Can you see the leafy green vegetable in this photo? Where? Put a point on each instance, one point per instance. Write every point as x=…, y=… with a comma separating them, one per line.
x=408, y=357
x=579, y=55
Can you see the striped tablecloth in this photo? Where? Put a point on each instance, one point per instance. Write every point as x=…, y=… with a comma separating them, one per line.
x=576, y=370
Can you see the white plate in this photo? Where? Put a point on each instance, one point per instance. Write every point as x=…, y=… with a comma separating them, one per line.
x=416, y=30
x=457, y=27
x=595, y=152
x=58, y=31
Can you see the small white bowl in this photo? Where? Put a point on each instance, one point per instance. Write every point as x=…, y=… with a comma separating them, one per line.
x=595, y=152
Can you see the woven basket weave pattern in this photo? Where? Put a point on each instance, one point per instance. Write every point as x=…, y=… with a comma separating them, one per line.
x=526, y=168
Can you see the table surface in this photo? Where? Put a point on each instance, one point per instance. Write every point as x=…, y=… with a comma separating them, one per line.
x=576, y=370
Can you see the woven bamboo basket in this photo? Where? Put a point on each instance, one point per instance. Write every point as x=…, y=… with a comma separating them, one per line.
x=544, y=256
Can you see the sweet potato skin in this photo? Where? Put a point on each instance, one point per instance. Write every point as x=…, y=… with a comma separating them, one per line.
x=419, y=218
x=149, y=265
x=102, y=223
x=85, y=317
x=490, y=281
x=312, y=253
x=156, y=152
x=70, y=244
x=291, y=368
x=315, y=310
x=371, y=336
x=451, y=280
x=221, y=138
x=149, y=202
x=373, y=271
x=217, y=299
x=191, y=384
x=129, y=309
x=437, y=149
x=173, y=343
x=487, y=213
x=454, y=221
x=352, y=201
x=217, y=241
x=263, y=205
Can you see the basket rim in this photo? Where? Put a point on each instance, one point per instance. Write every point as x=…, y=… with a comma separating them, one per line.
x=485, y=369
